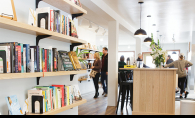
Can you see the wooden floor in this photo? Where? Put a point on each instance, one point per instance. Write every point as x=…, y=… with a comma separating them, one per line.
x=99, y=106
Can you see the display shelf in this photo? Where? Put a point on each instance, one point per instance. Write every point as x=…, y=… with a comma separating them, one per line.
x=28, y=29
x=67, y=6
x=38, y=74
x=59, y=110
x=89, y=49
x=82, y=79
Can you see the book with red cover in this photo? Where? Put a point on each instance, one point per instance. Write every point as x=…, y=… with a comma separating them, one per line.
x=19, y=59
x=62, y=90
x=45, y=60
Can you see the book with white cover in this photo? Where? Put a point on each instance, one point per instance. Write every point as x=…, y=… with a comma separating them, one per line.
x=7, y=49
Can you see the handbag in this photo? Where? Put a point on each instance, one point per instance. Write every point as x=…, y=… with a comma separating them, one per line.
x=93, y=74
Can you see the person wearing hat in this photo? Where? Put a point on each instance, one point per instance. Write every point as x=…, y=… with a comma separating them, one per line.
x=181, y=64
x=140, y=59
x=169, y=60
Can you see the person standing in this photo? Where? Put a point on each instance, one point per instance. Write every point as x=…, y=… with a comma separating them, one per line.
x=104, y=71
x=140, y=59
x=181, y=64
x=96, y=67
x=169, y=60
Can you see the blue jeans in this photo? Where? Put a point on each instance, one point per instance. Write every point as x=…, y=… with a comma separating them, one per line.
x=104, y=78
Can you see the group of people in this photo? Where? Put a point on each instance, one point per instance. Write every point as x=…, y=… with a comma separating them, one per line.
x=181, y=64
x=101, y=67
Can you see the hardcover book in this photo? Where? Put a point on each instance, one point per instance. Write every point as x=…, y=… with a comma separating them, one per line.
x=32, y=59
x=55, y=58
x=19, y=59
x=3, y=62
x=27, y=46
x=45, y=60
x=36, y=58
x=22, y=59
x=57, y=21
x=7, y=50
x=62, y=92
x=16, y=59
x=74, y=59
x=64, y=61
x=1, y=65
x=13, y=105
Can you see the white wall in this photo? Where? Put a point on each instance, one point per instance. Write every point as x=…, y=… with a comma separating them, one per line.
x=20, y=87
x=90, y=37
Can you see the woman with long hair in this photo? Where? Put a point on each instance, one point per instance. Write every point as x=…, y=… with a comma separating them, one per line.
x=181, y=64
x=96, y=67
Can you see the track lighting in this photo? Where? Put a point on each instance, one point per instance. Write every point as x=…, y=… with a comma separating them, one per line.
x=90, y=25
x=97, y=30
x=104, y=32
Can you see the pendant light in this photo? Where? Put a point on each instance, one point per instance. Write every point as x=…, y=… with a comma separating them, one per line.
x=140, y=32
x=174, y=45
x=148, y=40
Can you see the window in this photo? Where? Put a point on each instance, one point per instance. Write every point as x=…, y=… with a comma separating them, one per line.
x=129, y=54
x=174, y=56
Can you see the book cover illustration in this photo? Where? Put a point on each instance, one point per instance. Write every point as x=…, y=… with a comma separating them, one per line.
x=7, y=50
x=1, y=65
x=13, y=105
x=74, y=59
x=16, y=59
x=19, y=59
x=66, y=61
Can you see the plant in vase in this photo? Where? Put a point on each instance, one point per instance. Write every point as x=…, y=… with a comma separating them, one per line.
x=158, y=54
x=79, y=55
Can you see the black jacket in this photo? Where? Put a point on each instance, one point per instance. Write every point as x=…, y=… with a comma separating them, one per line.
x=105, y=67
x=170, y=61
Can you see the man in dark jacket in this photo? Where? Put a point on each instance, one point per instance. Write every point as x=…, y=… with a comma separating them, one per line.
x=104, y=71
x=169, y=60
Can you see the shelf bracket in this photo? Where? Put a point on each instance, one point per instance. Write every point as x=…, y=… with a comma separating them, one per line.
x=37, y=3
x=71, y=77
x=76, y=15
x=73, y=45
x=38, y=79
x=38, y=38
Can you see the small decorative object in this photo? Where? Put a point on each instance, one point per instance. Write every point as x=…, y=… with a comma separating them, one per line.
x=32, y=20
x=7, y=9
x=158, y=54
x=86, y=46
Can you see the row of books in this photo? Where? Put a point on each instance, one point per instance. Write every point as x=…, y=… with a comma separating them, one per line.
x=22, y=58
x=44, y=98
x=53, y=97
x=53, y=20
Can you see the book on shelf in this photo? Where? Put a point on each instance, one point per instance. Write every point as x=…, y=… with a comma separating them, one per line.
x=45, y=60
x=19, y=59
x=40, y=59
x=13, y=105
x=16, y=59
x=27, y=47
x=62, y=93
x=74, y=60
x=55, y=59
x=32, y=60
x=7, y=50
x=22, y=57
x=51, y=20
x=36, y=58
x=64, y=61
x=3, y=65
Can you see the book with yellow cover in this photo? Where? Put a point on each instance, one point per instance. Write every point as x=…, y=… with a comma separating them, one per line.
x=74, y=59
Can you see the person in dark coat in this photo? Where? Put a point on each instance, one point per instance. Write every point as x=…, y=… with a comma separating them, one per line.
x=169, y=60
x=104, y=71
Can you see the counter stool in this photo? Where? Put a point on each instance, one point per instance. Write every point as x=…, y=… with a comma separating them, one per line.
x=125, y=86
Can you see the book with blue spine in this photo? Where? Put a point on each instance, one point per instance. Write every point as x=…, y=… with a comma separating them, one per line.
x=27, y=46
x=43, y=60
x=40, y=60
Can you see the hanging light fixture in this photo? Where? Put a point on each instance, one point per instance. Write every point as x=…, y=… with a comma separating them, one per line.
x=148, y=40
x=97, y=30
x=90, y=25
x=174, y=45
x=140, y=32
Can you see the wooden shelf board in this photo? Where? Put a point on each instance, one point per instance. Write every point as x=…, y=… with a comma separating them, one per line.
x=38, y=74
x=66, y=6
x=28, y=29
x=59, y=110
x=83, y=79
x=89, y=49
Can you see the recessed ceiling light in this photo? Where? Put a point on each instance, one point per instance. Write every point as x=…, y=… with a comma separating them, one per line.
x=154, y=25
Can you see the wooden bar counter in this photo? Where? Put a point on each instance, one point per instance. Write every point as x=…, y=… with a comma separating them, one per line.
x=153, y=91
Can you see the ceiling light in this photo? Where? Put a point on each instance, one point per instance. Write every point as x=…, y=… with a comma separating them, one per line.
x=90, y=25
x=148, y=40
x=140, y=32
x=101, y=39
x=97, y=30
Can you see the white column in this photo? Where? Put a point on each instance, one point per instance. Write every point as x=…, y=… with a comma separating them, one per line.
x=138, y=47
x=113, y=30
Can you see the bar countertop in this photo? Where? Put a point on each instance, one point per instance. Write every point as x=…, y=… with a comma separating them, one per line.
x=150, y=69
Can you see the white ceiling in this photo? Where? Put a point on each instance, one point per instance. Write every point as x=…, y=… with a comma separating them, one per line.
x=170, y=16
